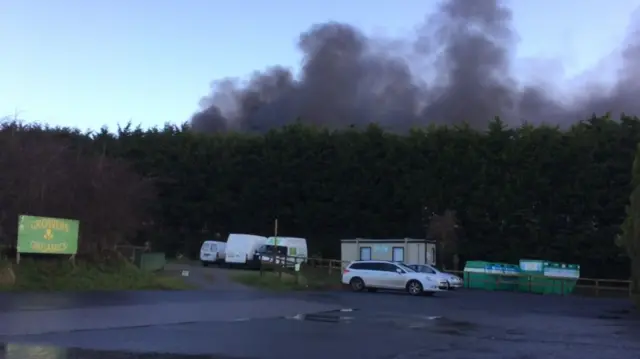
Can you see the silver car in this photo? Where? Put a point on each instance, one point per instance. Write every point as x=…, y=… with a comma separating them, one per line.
x=452, y=281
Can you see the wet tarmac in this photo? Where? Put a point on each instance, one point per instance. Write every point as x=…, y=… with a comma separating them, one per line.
x=348, y=325
x=17, y=351
x=56, y=300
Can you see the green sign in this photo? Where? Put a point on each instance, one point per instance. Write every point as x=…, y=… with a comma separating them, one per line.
x=47, y=235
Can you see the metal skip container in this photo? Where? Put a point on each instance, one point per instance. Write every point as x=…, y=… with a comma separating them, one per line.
x=544, y=277
x=491, y=276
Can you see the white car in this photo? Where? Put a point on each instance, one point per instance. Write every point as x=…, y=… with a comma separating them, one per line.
x=374, y=275
x=453, y=281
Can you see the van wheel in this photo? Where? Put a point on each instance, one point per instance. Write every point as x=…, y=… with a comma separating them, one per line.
x=414, y=287
x=357, y=284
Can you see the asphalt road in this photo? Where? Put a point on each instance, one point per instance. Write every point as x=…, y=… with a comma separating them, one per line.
x=10, y=302
x=464, y=324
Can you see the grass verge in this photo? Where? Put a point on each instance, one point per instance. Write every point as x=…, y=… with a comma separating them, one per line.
x=62, y=275
x=306, y=279
x=269, y=280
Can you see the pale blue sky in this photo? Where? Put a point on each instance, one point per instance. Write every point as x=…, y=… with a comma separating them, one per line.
x=89, y=63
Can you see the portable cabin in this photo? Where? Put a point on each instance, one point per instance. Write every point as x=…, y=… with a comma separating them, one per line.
x=406, y=250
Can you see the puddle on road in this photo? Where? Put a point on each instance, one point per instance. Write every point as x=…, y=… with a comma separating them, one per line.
x=34, y=351
x=453, y=327
x=441, y=325
x=334, y=316
x=436, y=324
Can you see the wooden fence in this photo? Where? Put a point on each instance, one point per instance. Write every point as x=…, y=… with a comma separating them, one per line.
x=583, y=286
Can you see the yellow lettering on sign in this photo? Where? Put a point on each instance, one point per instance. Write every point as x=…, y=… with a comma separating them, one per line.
x=50, y=224
x=48, y=247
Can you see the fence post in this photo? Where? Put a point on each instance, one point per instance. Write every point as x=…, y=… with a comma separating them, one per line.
x=330, y=265
x=597, y=288
x=283, y=265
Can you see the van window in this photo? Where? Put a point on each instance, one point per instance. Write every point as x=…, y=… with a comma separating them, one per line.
x=269, y=249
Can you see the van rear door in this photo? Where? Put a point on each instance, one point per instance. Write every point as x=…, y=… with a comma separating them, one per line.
x=208, y=251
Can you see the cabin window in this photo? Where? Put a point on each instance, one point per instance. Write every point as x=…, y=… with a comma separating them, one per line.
x=431, y=256
x=365, y=253
x=398, y=254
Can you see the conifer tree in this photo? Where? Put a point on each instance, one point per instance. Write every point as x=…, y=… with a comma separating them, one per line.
x=630, y=238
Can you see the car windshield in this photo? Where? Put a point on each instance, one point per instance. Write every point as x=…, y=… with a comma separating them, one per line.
x=433, y=268
x=405, y=267
x=425, y=268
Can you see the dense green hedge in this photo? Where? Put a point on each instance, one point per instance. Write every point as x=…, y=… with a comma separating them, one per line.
x=534, y=192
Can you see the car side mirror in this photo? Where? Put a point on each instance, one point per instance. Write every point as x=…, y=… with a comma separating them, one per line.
x=399, y=271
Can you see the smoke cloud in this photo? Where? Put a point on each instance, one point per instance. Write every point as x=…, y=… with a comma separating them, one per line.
x=456, y=69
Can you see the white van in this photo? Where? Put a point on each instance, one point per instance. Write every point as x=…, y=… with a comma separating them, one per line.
x=242, y=250
x=294, y=249
x=212, y=252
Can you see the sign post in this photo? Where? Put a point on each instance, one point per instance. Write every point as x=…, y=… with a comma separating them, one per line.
x=45, y=235
x=275, y=247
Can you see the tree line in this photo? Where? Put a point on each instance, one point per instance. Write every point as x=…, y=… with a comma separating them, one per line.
x=525, y=192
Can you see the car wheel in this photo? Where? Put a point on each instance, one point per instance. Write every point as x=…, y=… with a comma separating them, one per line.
x=357, y=284
x=448, y=285
x=414, y=287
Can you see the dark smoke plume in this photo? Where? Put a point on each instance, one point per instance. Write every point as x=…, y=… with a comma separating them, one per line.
x=457, y=69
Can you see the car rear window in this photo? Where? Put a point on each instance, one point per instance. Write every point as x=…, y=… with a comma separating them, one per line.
x=367, y=266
